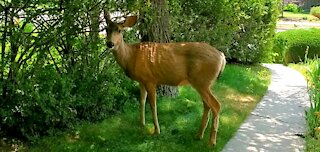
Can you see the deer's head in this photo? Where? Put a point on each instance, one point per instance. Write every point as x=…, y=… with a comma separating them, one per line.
x=114, y=31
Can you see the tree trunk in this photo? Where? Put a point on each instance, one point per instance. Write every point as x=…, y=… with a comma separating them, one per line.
x=157, y=30
x=3, y=51
x=94, y=17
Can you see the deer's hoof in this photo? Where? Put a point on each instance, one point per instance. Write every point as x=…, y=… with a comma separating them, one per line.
x=211, y=143
x=156, y=132
x=198, y=136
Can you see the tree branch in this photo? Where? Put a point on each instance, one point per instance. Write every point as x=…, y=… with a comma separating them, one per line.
x=54, y=62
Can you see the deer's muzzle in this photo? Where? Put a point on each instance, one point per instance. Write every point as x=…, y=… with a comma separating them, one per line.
x=110, y=44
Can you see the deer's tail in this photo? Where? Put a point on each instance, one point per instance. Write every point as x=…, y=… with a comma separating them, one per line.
x=223, y=64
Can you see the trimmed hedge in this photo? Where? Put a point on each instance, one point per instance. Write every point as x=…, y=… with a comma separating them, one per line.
x=292, y=45
x=293, y=8
x=315, y=11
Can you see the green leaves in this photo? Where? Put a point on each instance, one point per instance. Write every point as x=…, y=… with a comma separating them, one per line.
x=313, y=114
x=241, y=29
x=51, y=73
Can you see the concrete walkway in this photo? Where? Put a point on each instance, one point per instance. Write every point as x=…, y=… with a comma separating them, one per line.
x=288, y=25
x=279, y=119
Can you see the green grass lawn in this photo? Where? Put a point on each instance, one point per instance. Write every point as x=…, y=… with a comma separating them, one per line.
x=299, y=16
x=239, y=90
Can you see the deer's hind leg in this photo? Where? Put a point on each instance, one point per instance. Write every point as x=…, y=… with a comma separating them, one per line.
x=205, y=119
x=210, y=103
x=215, y=108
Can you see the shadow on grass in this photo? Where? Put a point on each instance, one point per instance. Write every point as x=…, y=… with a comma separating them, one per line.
x=179, y=120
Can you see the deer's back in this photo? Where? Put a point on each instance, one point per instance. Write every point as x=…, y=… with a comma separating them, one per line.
x=175, y=63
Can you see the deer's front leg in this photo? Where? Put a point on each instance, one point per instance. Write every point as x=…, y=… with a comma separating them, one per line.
x=143, y=96
x=151, y=90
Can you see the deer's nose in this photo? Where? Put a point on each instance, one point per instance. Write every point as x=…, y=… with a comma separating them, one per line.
x=110, y=44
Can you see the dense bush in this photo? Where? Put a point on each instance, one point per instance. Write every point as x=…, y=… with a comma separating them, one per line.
x=291, y=46
x=315, y=11
x=293, y=8
x=241, y=29
x=55, y=70
x=44, y=99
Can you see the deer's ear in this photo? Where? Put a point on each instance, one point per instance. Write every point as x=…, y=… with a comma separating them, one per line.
x=107, y=16
x=130, y=21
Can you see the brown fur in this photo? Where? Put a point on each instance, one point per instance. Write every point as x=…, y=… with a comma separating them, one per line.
x=152, y=64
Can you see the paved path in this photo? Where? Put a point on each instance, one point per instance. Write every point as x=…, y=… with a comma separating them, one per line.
x=278, y=119
x=287, y=25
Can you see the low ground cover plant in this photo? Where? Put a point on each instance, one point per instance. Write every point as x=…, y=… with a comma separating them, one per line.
x=313, y=115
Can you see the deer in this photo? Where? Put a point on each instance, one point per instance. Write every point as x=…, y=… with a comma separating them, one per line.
x=181, y=63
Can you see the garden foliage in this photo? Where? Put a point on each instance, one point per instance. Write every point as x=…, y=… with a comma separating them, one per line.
x=313, y=115
x=292, y=45
x=55, y=70
x=241, y=29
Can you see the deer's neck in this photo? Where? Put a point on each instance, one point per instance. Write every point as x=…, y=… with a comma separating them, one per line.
x=123, y=55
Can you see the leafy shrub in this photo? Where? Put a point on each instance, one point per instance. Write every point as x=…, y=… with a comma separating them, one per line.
x=241, y=29
x=315, y=11
x=291, y=45
x=41, y=101
x=291, y=7
x=53, y=90
x=53, y=72
x=45, y=100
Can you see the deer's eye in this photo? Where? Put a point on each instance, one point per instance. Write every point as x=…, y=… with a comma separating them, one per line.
x=108, y=32
x=117, y=30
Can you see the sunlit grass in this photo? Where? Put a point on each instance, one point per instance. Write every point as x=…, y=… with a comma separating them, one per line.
x=299, y=16
x=239, y=90
x=313, y=144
